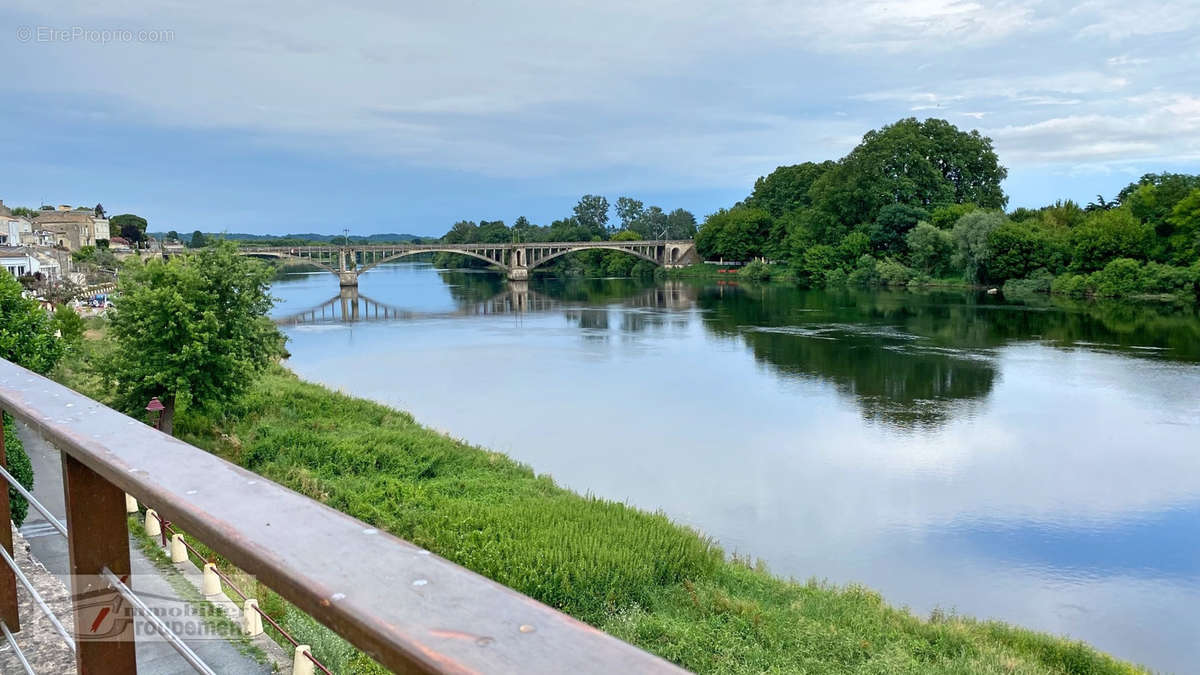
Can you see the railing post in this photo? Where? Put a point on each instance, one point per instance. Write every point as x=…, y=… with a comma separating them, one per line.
x=9, y=611
x=98, y=539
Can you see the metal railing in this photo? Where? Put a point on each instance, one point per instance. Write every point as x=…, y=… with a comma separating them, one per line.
x=408, y=609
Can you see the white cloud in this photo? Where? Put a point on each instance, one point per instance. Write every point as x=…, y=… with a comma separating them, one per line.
x=678, y=93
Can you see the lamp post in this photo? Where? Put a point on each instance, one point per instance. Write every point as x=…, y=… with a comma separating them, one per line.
x=156, y=406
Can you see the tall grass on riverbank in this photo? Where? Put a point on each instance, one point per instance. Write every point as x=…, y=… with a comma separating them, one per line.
x=635, y=574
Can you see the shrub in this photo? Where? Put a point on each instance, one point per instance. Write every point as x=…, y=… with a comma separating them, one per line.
x=835, y=278
x=1040, y=281
x=756, y=271
x=930, y=249
x=21, y=469
x=892, y=273
x=865, y=272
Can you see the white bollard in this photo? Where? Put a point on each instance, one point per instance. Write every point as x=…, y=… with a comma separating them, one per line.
x=153, y=525
x=212, y=583
x=251, y=620
x=301, y=664
x=130, y=503
x=178, y=549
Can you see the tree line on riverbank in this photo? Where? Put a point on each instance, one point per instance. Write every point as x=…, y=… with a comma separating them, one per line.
x=920, y=202
x=589, y=221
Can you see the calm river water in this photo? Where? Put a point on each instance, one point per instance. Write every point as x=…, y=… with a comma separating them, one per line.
x=1034, y=463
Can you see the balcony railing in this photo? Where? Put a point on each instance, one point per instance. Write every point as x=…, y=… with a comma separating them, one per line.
x=405, y=607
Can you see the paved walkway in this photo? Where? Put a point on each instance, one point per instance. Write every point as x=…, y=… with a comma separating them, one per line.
x=154, y=656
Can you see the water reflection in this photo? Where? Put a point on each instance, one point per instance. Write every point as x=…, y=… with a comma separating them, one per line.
x=1037, y=462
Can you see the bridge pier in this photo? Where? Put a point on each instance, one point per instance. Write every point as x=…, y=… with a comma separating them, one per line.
x=518, y=274
x=348, y=278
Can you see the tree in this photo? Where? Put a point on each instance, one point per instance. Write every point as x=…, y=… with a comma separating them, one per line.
x=26, y=333
x=681, y=224
x=629, y=210
x=199, y=240
x=191, y=330
x=973, y=252
x=1184, y=240
x=893, y=222
x=734, y=234
x=592, y=213
x=926, y=164
x=786, y=188
x=99, y=211
x=1107, y=235
x=129, y=226
x=69, y=325
x=929, y=249
x=173, y=236
x=24, y=212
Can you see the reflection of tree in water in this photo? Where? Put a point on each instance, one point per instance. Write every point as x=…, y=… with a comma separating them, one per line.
x=918, y=359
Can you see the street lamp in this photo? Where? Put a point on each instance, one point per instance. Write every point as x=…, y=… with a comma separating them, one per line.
x=156, y=406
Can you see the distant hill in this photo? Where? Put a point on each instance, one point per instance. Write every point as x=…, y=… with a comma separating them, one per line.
x=388, y=238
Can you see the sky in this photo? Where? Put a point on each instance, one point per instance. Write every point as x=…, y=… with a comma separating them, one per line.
x=386, y=116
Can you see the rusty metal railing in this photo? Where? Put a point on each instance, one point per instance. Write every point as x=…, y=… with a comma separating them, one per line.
x=412, y=611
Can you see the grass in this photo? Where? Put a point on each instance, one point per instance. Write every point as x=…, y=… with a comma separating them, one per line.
x=635, y=574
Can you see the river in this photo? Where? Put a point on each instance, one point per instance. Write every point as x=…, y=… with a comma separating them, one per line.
x=1037, y=463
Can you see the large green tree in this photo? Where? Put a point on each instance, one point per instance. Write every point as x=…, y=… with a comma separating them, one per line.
x=191, y=330
x=592, y=213
x=734, y=234
x=129, y=226
x=926, y=164
x=786, y=188
x=26, y=330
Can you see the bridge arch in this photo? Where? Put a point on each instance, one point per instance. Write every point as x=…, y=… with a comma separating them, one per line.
x=576, y=249
x=405, y=254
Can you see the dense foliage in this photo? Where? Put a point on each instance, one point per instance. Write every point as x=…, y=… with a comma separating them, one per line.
x=916, y=202
x=27, y=339
x=192, y=329
x=129, y=226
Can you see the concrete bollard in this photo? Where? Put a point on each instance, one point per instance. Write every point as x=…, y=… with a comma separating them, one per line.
x=178, y=549
x=251, y=619
x=153, y=524
x=130, y=503
x=301, y=664
x=212, y=583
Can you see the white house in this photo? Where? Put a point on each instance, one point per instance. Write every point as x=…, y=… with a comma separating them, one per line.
x=19, y=261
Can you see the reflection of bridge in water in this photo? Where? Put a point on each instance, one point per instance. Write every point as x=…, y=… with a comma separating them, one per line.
x=351, y=306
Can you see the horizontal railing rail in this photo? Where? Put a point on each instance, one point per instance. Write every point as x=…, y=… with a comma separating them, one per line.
x=409, y=609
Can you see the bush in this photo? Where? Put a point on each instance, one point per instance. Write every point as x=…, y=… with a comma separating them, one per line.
x=835, y=278
x=1041, y=281
x=21, y=469
x=930, y=249
x=756, y=271
x=1070, y=284
x=892, y=273
x=865, y=272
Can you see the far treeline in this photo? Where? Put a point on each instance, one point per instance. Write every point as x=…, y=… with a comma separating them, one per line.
x=921, y=203
x=588, y=222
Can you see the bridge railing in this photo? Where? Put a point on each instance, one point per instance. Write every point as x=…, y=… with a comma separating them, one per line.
x=407, y=608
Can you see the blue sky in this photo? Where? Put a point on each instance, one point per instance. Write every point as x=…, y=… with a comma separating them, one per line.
x=383, y=116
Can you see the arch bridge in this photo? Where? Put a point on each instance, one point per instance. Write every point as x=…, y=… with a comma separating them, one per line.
x=515, y=260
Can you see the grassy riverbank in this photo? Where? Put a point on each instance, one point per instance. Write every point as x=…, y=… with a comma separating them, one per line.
x=634, y=574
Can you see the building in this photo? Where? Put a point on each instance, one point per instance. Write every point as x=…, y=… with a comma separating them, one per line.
x=14, y=230
x=73, y=228
x=20, y=261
